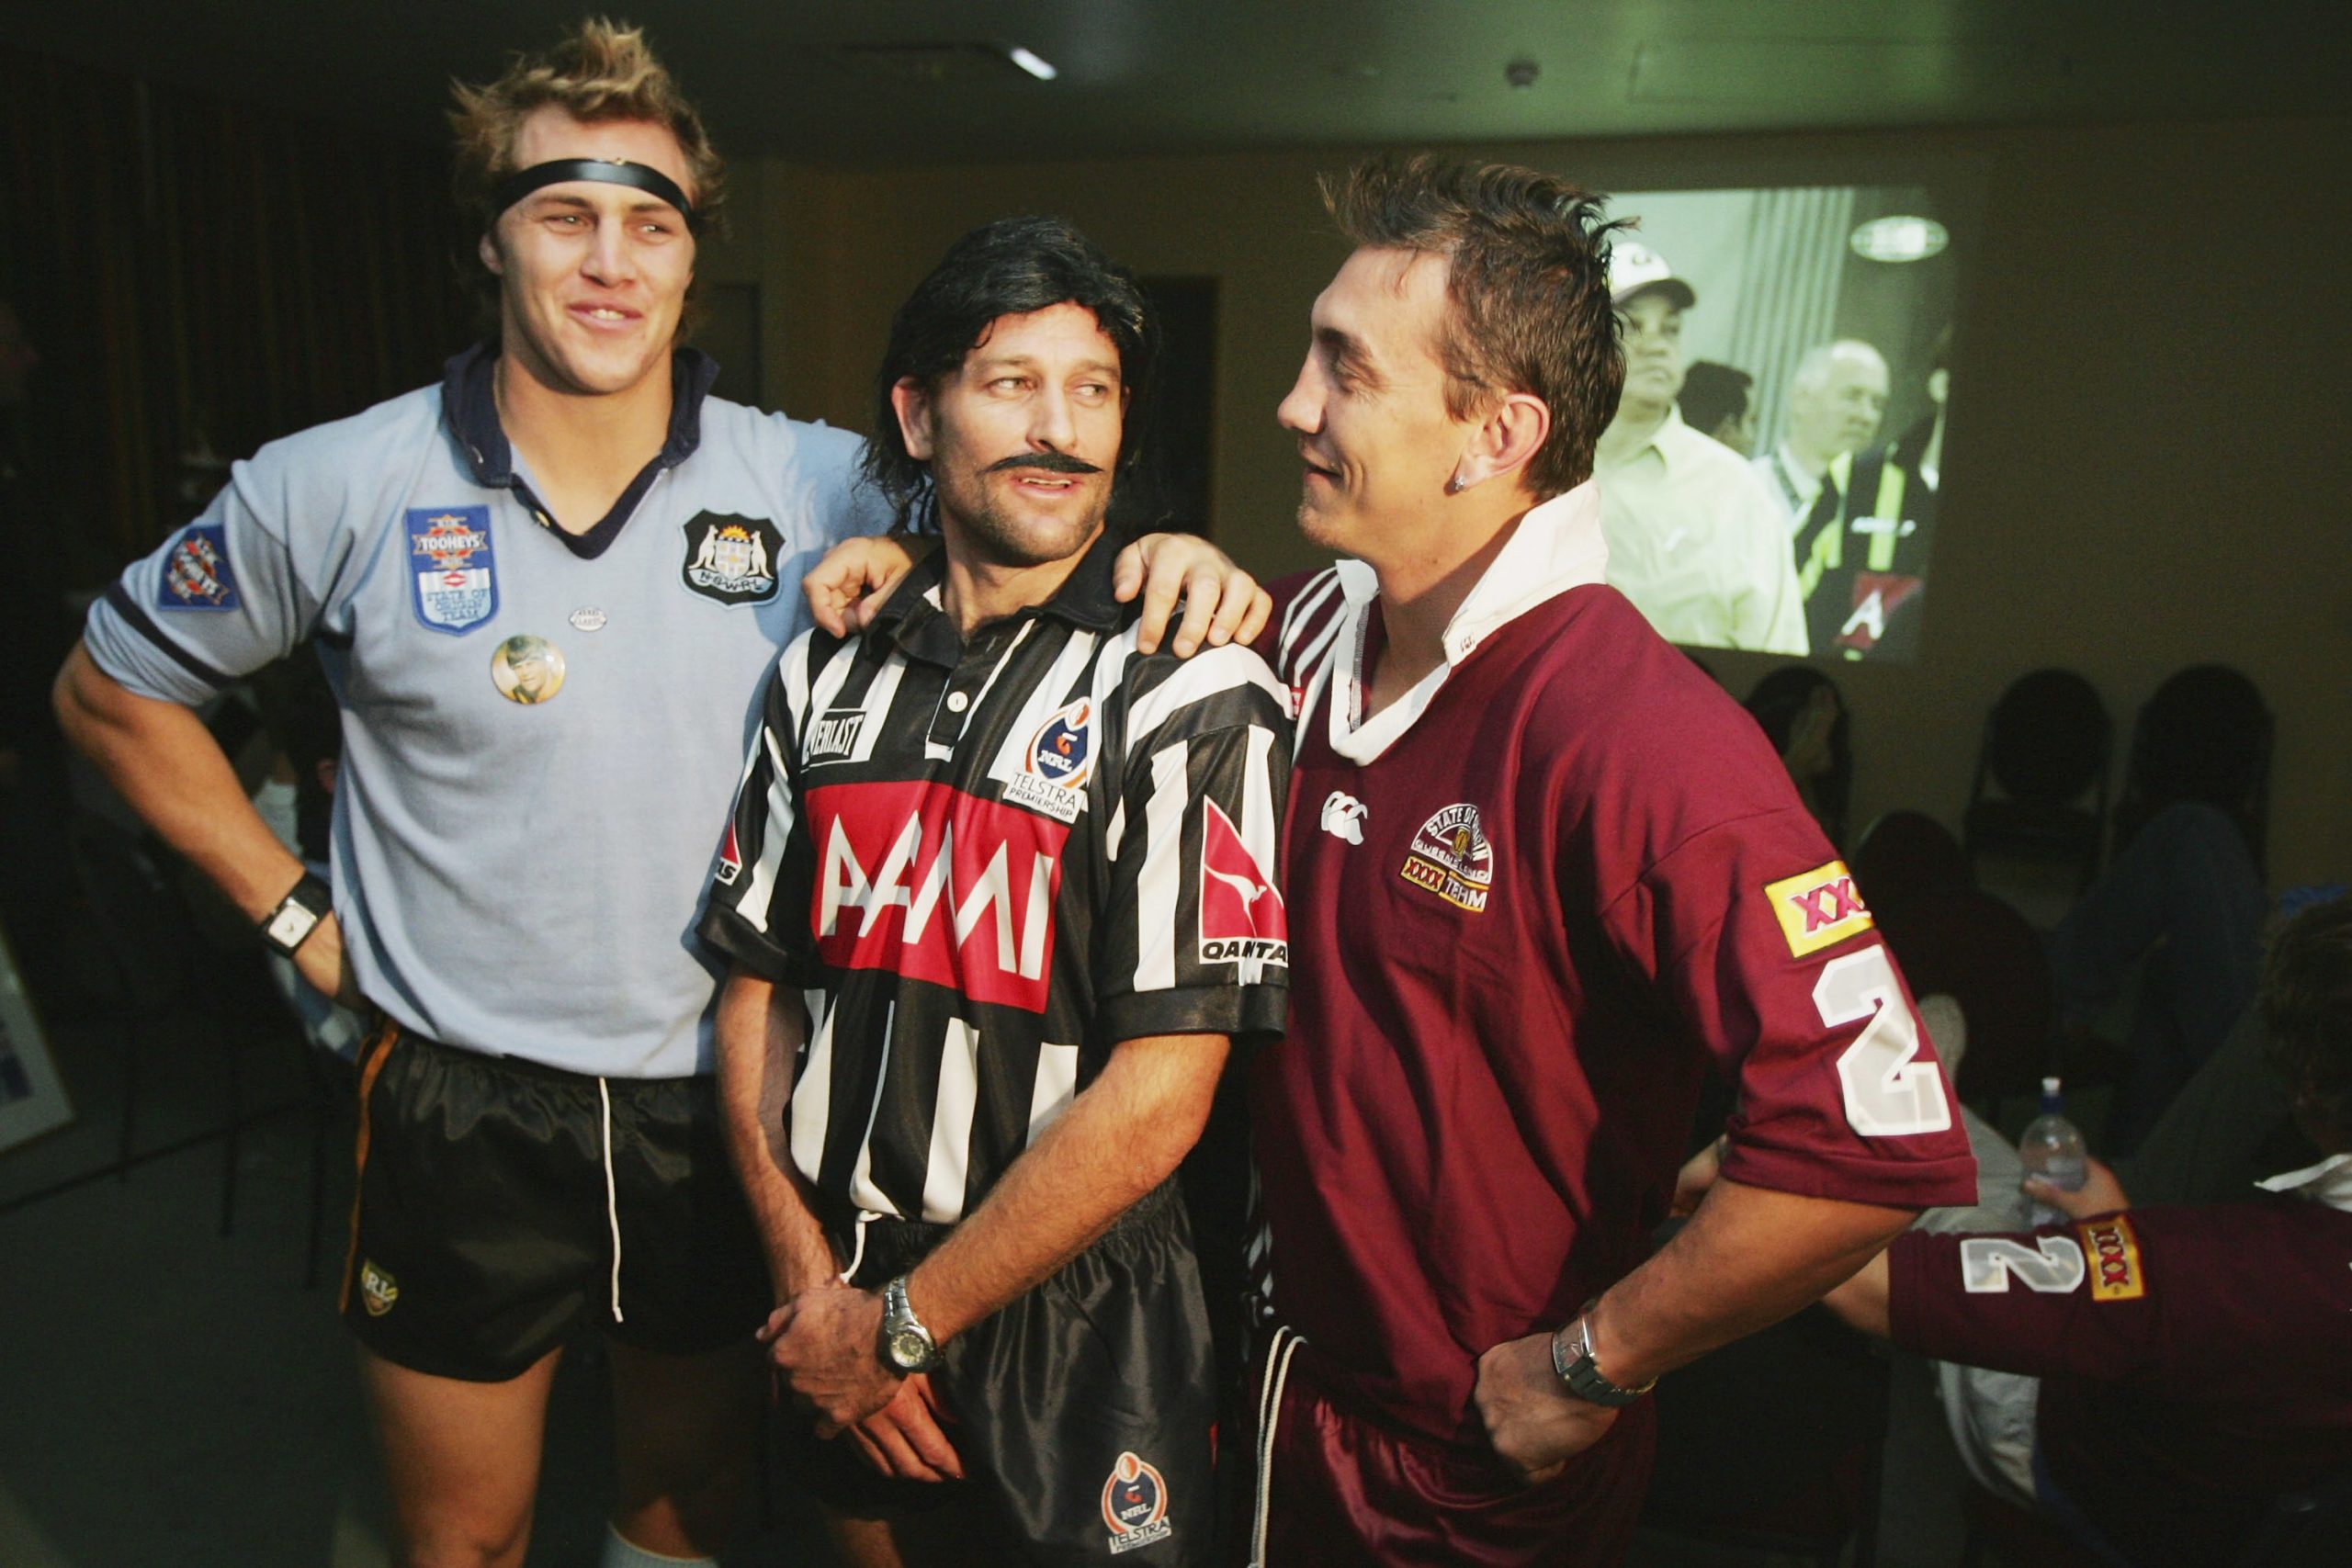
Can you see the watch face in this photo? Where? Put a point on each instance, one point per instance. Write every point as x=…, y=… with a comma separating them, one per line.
x=910, y=1350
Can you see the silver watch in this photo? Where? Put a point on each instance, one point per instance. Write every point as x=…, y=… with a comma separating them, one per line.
x=907, y=1345
x=1572, y=1360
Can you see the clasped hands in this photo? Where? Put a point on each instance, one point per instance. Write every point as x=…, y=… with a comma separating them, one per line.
x=823, y=1345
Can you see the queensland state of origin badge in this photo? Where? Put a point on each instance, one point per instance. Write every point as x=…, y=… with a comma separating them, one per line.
x=453, y=580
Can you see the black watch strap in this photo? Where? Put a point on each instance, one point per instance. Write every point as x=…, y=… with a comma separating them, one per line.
x=290, y=925
x=1572, y=1360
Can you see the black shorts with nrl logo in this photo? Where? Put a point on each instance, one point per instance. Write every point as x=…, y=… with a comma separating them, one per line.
x=1085, y=1409
x=483, y=1235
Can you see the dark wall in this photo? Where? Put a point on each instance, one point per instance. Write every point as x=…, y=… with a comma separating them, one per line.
x=200, y=276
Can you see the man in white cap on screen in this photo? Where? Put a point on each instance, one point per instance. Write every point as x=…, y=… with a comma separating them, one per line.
x=1695, y=538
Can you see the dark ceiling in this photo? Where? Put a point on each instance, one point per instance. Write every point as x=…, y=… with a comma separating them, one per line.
x=867, y=81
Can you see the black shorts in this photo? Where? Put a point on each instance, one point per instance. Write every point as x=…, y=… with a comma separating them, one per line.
x=1084, y=1411
x=483, y=1236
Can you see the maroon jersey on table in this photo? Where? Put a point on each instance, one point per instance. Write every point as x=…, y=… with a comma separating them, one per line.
x=2195, y=1362
x=1529, y=901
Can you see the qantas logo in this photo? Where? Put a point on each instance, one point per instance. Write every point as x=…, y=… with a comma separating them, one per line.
x=731, y=859
x=1817, y=909
x=1242, y=916
x=939, y=886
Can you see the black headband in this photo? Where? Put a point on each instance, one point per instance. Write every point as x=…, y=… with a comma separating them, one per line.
x=611, y=171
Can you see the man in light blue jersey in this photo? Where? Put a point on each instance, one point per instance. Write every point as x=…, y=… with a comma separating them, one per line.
x=544, y=592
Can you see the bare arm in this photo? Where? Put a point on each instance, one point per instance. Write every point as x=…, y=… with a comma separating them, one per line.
x=759, y=1029
x=166, y=766
x=1124, y=1135
x=1749, y=1257
x=1861, y=1302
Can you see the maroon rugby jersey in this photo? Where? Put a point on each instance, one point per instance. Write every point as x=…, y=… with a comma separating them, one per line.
x=2195, y=1362
x=1544, y=888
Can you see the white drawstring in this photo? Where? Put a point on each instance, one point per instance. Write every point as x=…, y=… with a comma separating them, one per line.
x=1269, y=1411
x=611, y=1199
x=857, y=1245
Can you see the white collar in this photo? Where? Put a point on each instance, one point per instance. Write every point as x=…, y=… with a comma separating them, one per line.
x=1664, y=438
x=1557, y=546
x=2329, y=1182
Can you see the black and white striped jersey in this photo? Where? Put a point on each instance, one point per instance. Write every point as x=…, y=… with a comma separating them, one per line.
x=987, y=863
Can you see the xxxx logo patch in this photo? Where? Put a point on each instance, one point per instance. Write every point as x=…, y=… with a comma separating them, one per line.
x=2114, y=1254
x=1819, y=908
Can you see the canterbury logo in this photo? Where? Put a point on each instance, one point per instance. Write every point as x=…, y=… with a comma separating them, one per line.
x=937, y=885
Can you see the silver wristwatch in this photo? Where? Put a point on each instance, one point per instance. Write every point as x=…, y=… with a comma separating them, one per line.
x=290, y=925
x=907, y=1345
x=1572, y=1360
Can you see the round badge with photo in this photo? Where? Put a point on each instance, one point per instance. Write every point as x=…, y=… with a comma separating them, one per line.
x=526, y=668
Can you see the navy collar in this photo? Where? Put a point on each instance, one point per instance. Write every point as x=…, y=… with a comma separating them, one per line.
x=917, y=624
x=469, y=410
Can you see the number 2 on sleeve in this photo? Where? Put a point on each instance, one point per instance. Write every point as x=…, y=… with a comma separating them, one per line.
x=1888, y=1091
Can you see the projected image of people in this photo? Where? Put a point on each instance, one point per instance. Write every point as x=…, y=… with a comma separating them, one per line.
x=1827, y=324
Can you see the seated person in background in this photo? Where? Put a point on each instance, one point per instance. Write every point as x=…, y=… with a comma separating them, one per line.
x=1717, y=401
x=1694, y=539
x=2186, y=1365
x=1804, y=718
x=2185, y=895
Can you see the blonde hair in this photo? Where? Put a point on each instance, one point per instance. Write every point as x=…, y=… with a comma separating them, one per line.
x=600, y=71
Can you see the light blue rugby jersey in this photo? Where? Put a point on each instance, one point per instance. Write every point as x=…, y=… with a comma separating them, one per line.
x=522, y=880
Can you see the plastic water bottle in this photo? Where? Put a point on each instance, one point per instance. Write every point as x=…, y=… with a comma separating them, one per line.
x=2053, y=1150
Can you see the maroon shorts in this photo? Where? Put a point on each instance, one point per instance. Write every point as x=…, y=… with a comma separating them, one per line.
x=1344, y=1487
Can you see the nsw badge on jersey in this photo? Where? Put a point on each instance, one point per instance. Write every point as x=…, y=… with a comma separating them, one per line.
x=731, y=559
x=197, y=574
x=453, y=578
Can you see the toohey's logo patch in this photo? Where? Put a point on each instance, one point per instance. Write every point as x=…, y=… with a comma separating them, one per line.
x=2114, y=1255
x=1452, y=858
x=1817, y=909
x=452, y=568
x=378, y=1290
x=1135, y=1504
x=197, y=574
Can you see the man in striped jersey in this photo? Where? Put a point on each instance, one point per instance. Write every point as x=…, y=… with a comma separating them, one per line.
x=1020, y=876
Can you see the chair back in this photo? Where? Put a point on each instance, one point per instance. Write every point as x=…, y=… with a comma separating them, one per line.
x=2046, y=746
x=1905, y=854
x=2205, y=736
x=2046, y=741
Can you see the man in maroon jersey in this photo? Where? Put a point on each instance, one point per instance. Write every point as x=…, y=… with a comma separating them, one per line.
x=2193, y=1361
x=1572, y=874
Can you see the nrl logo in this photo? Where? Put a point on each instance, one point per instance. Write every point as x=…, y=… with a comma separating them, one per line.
x=378, y=1290
x=1135, y=1504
